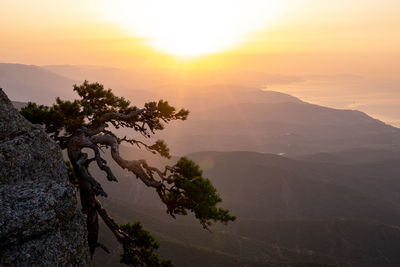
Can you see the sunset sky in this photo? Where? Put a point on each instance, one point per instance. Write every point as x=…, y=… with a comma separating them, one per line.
x=250, y=38
x=295, y=36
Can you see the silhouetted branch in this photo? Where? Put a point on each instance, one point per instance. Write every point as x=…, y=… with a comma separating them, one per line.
x=81, y=163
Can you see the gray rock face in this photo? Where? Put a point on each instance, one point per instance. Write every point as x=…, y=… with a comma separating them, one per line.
x=40, y=223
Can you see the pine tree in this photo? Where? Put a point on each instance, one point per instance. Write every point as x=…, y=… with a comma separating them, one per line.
x=85, y=124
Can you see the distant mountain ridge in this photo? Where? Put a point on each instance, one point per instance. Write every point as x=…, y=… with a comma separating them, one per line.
x=223, y=117
x=280, y=188
x=355, y=155
x=292, y=128
x=288, y=211
x=43, y=84
x=33, y=83
x=288, y=109
x=331, y=200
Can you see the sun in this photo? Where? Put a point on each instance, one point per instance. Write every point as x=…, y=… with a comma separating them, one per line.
x=189, y=28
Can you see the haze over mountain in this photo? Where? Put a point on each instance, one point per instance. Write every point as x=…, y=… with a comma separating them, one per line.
x=48, y=82
x=288, y=210
x=316, y=208
x=342, y=91
x=167, y=79
x=294, y=117
x=286, y=127
x=33, y=83
x=223, y=117
x=279, y=188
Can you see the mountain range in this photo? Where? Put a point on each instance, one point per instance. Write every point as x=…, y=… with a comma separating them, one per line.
x=223, y=117
x=289, y=211
x=310, y=185
x=290, y=128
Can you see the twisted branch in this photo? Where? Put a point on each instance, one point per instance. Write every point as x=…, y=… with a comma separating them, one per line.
x=102, y=164
x=82, y=164
x=134, y=166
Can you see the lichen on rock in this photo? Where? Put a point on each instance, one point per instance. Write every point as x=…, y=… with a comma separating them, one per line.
x=40, y=222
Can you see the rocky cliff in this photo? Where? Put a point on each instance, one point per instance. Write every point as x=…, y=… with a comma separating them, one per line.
x=40, y=223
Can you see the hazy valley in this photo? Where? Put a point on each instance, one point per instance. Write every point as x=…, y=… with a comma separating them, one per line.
x=184, y=133
x=309, y=184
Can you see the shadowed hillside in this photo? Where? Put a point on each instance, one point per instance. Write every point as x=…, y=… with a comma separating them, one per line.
x=291, y=128
x=288, y=211
x=331, y=198
x=260, y=243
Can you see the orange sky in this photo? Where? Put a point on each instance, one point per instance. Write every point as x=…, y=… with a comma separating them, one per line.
x=290, y=36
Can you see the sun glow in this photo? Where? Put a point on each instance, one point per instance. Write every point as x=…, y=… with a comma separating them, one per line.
x=188, y=28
